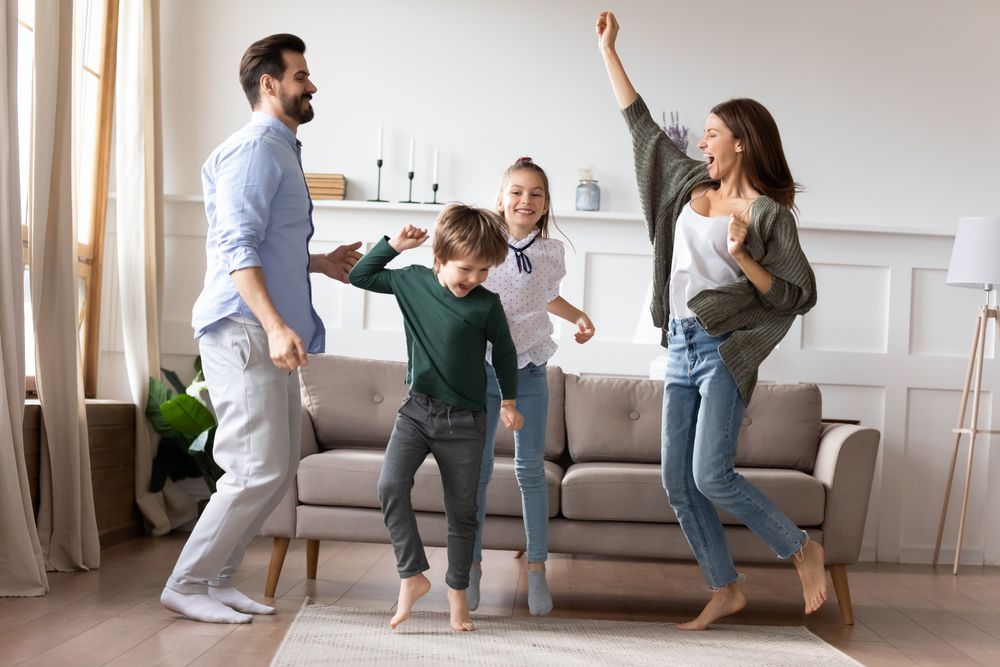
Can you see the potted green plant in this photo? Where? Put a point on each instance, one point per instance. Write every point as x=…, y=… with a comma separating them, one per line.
x=186, y=426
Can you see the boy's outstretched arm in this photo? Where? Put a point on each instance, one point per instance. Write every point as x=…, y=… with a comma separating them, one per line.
x=370, y=272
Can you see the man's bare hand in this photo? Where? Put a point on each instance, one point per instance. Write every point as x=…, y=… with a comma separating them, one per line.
x=286, y=348
x=338, y=263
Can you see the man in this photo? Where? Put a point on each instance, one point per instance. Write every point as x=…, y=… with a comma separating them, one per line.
x=255, y=324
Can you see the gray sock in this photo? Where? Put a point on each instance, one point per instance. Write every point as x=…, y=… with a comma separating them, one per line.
x=472, y=592
x=539, y=597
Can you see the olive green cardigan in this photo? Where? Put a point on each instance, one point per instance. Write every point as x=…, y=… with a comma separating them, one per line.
x=757, y=321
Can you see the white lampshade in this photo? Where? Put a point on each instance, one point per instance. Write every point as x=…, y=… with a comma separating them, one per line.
x=975, y=257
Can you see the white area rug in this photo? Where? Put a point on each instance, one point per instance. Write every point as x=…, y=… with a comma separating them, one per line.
x=330, y=635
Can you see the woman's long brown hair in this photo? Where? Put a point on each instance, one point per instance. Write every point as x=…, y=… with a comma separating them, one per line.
x=763, y=157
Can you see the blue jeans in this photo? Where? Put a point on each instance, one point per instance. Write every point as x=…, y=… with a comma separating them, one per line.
x=529, y=457
x=702, y=414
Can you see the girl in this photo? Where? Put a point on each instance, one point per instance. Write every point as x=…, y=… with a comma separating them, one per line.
x=528, y=285
x=729, y=270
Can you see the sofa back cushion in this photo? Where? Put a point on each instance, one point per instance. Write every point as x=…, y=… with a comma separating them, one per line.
x=782, y=427
x=555, y=434
x=613, y=419
x=616, y=419
x=352, y=402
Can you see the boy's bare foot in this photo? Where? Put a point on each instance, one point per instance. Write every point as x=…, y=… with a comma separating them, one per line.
x=411, y=589
x=461, y=621
x=809, y=563
x=724, y=602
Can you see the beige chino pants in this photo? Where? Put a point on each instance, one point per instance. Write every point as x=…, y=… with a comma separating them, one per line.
x=257, y=445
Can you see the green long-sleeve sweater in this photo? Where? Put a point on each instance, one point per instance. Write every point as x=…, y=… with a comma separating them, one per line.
x=445, y=335
x=757, y=321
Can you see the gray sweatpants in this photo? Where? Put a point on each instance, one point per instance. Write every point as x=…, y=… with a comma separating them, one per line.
x=426, y=425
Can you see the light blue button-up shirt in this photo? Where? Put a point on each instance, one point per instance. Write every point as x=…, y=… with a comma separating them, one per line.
x=259, y=214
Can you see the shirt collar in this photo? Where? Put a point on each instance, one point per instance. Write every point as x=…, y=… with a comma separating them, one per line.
x=266, y=119
x=520, y=243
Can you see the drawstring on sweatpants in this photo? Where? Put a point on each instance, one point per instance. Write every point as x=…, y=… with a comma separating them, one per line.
x=437, y=418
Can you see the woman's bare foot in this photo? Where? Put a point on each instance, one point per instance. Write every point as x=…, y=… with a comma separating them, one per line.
x=461, y=621
x=411, y=589
x=724, y=602
x=809, y=563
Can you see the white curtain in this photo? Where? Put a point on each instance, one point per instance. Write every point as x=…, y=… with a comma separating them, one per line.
x=22, y=567
x=139, y=208
x=67, y=525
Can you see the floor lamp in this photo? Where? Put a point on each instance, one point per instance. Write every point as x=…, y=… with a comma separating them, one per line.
x=975, y=262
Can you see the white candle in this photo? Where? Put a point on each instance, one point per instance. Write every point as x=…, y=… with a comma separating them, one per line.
x=378, y=141
x=411, y=155
x=434, y=178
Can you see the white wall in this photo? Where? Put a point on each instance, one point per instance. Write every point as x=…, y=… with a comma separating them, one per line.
x=887, y=108
x=887, y=114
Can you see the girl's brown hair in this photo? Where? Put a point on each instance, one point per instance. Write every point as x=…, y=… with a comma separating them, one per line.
x=465, y=231
x=763, y=157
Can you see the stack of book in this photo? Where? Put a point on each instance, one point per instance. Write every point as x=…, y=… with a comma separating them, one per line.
x=326, y=186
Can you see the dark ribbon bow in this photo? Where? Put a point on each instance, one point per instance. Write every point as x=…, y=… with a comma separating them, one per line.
x=523, y=262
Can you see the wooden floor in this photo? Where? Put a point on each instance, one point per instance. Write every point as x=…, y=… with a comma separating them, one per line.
x=905, y=614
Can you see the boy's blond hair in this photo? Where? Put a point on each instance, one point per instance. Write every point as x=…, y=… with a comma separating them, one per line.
x=466, y=231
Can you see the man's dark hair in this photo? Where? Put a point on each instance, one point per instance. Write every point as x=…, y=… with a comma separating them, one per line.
x=265, y=57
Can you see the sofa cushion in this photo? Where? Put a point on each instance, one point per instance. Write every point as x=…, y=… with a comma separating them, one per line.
x=782, y=427
x=352, y=402
x=613, y=419
x=555, y=434
x=349, y=478
x=634, y=492
x=618, y=420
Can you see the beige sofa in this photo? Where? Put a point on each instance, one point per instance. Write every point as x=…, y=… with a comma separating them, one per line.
x=602, y=466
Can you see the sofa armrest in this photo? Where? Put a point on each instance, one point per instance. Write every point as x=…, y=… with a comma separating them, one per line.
x=281, y=523
x=307, y=441
x=845, y=464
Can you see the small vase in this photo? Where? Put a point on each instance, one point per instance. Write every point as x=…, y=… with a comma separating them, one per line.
x=588, y=195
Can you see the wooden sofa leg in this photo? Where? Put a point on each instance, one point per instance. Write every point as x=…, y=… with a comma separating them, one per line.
x=278, y=551
x=312, y=558
x=839, y=575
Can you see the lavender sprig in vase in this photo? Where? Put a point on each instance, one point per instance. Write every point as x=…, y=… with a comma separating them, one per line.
x=675, y=131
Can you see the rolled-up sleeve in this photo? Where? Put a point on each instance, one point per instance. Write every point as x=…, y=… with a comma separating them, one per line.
x=247, y=180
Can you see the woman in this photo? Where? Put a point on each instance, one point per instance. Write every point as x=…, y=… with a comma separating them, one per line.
x=729, y=271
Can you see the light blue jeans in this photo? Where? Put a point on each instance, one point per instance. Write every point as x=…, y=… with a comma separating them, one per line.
x=702, y=414
x=529, y=458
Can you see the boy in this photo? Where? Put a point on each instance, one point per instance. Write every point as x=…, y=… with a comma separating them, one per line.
x=448, y=320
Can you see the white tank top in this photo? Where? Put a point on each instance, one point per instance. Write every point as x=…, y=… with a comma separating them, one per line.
x=701, y=258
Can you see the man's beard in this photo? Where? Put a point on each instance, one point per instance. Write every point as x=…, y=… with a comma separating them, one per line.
x=293, y=108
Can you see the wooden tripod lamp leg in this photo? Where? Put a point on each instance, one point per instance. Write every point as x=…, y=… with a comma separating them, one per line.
x=972, y=434
x=961, y=422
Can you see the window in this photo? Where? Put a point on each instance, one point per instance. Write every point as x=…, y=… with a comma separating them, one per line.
x=94, y=47
x=25, y=116
x=96, y=23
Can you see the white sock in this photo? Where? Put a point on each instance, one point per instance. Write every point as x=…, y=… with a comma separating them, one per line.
x=539, y=597
x=201, y=607
x=233, y=599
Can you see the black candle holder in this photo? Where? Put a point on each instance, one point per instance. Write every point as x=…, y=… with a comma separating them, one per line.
x=409, y=197
x=378, y=189
x=434, y=187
